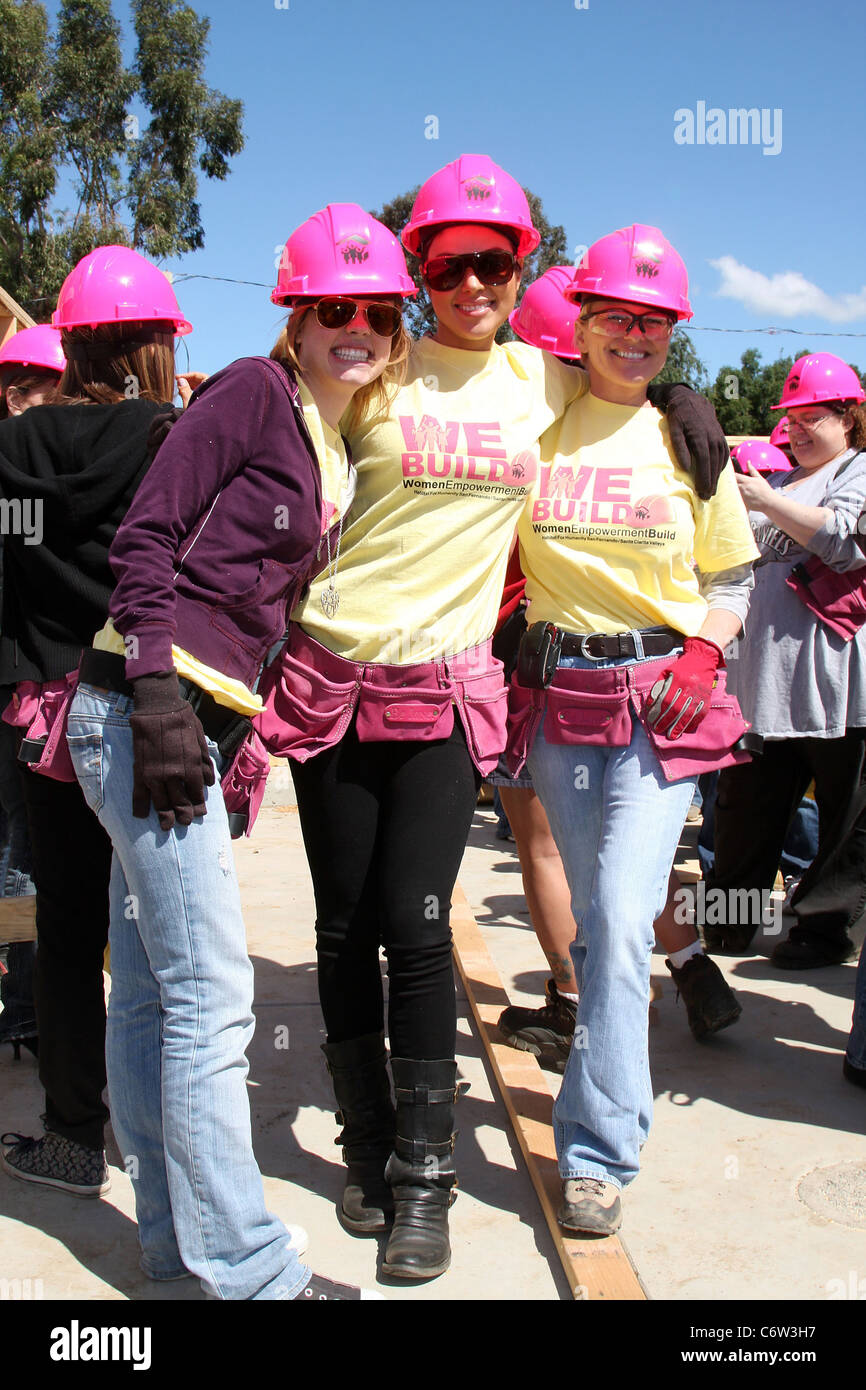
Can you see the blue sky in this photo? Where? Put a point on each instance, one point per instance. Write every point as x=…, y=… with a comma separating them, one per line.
x=579, y=105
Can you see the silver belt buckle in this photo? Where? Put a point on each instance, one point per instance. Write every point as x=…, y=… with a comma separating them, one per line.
x=588, y=638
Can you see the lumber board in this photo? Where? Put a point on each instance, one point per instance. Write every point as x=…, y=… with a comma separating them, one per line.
x=17, y=919
x=597, y=1268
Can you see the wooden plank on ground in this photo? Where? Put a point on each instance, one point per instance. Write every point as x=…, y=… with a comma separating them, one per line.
x=17, y=919
x=596, y=1267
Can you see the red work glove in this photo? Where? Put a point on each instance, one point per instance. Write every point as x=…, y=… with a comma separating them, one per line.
x=681, y=696
x=171, y=764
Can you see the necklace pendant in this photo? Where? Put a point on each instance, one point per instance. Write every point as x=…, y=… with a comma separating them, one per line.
x=330, y=601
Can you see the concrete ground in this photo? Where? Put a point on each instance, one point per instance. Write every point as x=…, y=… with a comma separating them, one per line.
x=753, y=1183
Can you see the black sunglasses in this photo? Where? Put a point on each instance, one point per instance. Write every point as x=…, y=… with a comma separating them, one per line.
x=492, y=267
x=384, y=319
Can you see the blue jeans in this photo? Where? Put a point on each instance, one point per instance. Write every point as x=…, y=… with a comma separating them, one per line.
x=179, y=1023
x=617, y=823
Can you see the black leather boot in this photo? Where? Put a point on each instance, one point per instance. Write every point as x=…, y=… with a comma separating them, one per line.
x=421, y=1168
x=359, y=1072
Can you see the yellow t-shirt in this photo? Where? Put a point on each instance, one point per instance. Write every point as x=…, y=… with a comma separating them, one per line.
x=441, y=483
x=613, y=529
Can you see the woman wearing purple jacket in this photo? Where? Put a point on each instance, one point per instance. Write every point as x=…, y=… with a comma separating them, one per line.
x=244, y=502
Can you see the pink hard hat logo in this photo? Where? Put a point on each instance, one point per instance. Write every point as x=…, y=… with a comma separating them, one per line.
x=650, y=255
x=477, y=188
x=354, y=248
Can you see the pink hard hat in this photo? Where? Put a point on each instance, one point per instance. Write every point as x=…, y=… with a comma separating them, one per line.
x=760, y=454
x=342, y=250
x=818, y=378
x=779, y=437
x=35, y=347
x=114, y=284
x=545, y=318
x=637, y=264
x=471, y=189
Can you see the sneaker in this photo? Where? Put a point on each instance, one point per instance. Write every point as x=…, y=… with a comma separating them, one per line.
x=801, y=953
x=56, y=1162
x=590, y=1206
x=710, y=1002
x=546, y=1032
x=856, y=1075
x=325, y=1289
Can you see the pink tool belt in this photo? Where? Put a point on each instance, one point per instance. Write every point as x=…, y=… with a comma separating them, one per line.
x=311, y=696
x=243, y=784
x=41, y=712
x=838, y=599
x=583, y=706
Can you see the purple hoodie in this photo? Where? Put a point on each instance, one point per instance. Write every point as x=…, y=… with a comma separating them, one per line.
x=223, y=532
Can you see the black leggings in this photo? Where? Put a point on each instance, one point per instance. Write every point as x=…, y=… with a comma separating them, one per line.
x=385, y=827
x=71, y=869
x=755, y=806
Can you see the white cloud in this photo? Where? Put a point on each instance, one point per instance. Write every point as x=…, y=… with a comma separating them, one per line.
x=786, y=295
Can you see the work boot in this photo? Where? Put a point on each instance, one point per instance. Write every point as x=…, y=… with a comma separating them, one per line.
x=421, y=1168
x=359, y=1072
x=710, y=1002
x=546, y=1032
x=726, y=939
x=590, y=1206
x=810, y=953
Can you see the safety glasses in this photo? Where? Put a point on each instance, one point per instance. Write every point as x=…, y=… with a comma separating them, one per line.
x=615, y=323
x=812, y=421
x=492, y=267
x=384, y=319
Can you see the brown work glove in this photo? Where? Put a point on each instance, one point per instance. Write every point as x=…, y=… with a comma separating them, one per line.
x=697, y=438
x=171, y=763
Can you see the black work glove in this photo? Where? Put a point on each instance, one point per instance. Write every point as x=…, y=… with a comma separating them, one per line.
x=697, y=438
x=171, y=763
x=160, y=428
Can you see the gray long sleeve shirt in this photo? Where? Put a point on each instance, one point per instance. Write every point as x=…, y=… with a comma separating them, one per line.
x=793, y=676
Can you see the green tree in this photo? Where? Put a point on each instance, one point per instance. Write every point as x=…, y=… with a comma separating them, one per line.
x=551, y=250
x=684, y=364
x=191, y=126
x=742, y=395
x=64, y=109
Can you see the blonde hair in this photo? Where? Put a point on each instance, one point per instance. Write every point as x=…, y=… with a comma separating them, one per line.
x=116, y=362
x=370, y=403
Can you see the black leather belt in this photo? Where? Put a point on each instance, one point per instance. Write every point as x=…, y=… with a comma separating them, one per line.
x=226, y=727
x=657, y=641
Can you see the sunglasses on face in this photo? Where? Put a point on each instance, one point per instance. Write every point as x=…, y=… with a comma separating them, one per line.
x=612, y=323
x=384, y=319
x=493, y=267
